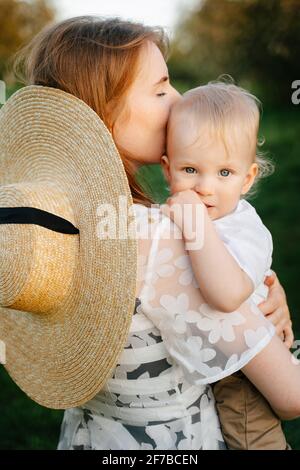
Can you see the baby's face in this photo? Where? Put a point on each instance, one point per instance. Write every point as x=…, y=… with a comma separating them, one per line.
x=218, y=178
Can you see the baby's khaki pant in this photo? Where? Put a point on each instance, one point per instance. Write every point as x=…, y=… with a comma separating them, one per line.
x=247, y=420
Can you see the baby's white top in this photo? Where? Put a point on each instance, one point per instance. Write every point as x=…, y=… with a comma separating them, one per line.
x=249, y=242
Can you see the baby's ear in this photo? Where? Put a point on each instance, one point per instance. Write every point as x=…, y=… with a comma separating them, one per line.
x=250, y=178
x=164, y=161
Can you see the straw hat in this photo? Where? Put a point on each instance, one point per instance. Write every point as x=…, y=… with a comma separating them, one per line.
x=67, y=294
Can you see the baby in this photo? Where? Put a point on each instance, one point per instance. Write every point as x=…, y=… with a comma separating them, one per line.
x=212, y=163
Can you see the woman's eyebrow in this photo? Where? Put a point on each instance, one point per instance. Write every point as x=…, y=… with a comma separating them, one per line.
x=163, y=79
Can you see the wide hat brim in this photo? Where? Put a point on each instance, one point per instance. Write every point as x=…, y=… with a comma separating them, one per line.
x=63, y=360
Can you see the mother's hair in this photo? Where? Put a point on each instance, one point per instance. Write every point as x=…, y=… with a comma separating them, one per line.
x=94, y=59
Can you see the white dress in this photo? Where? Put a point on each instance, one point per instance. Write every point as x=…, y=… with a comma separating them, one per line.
x=159, y=397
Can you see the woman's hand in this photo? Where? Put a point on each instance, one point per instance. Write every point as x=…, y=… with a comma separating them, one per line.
x=275, y=308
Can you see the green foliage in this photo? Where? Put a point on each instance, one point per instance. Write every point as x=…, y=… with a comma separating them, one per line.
x=20, y=20
x=255, y=41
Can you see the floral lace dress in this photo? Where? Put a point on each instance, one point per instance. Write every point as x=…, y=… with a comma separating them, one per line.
x=159, y=397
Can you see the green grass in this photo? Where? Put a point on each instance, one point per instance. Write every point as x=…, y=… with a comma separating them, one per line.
x=278, y=204
x=26, y=425
x=23, y=423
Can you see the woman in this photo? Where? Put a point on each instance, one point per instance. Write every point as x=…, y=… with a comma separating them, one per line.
x=159, y=396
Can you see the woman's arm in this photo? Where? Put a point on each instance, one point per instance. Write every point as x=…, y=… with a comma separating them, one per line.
x=276, y=375
x=224, y=285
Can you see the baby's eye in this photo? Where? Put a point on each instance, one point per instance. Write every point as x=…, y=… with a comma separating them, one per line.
x=188, y=168
x=161, y=94
x=224, y=172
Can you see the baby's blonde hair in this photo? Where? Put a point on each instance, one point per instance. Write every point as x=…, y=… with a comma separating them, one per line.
x=224, y=109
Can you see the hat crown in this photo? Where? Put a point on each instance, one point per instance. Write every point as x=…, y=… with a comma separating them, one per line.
x=37, y=264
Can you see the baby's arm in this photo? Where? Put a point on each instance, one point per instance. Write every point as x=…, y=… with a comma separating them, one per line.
x=223, y=284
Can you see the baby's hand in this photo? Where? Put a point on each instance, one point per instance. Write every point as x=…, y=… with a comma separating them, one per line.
x=188, y=196
x=181, y=208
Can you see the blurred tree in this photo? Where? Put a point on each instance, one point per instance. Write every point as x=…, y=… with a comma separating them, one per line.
x=20, y=20
x=255, y=41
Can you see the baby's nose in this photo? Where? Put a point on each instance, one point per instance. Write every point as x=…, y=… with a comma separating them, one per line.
x=205, y=188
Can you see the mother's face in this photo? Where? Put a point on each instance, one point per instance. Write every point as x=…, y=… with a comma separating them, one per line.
x=143, y=132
